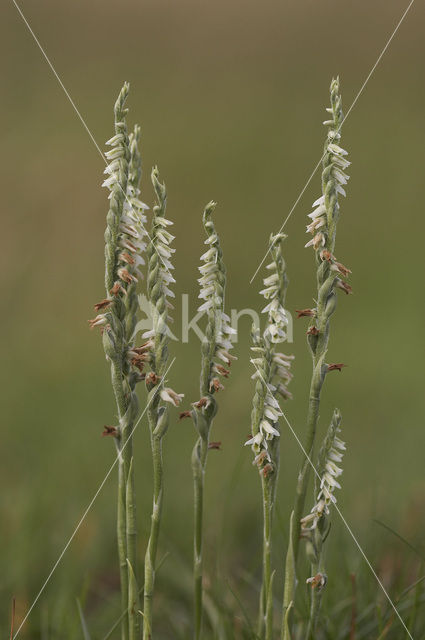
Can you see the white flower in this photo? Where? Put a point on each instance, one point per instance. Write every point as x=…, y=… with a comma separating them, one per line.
x=161, y=239
x=207, y=305
x=272, y=280
x=320, y=211
x=277, y=318
x=335, y=149
x=115, y=153
x=328, y=484
x=225, y=356
x=209, y=256
x=255, y=441
x=171, y=396
x=163, y=222
x=266, y=362
x=319, y=201
x=266, y=427
x=272, y=402
x=132, y=232
x=271, y=413
x=116, y=139
x=338, y=176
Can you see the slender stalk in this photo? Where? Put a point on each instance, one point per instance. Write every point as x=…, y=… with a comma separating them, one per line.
x=199, y=458
x=315, y=602
x=318, y=575
x=151, y=551
x=131, y=537
x=289, y=587
x=155, y=351
x=122, y=529
x=316, y=525
x=131, y=305
x=271, y=374
x=267, y=559
x=323, y=226
x=118, y=195
x=116, y=375
x=215, y=346
x=124, y=244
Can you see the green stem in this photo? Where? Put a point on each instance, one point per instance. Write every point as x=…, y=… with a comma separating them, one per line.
x=204, y=419
x=316, y=598
x=122, y=542
x=126, y=518
x=303, y=479
x=316, y=593
x=203, y=415
x=199, y=459
x=125, y=170
x=151, y=551
x=326, y=304
x=289, y=588
x=157, y=412
x=265, y=622
x=131, y=536
x=268, y=485
x=318, y=336
x=116, y=373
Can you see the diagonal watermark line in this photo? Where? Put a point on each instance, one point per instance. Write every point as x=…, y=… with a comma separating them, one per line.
x=83, y=122
x=74, y=106
x=118, y=620
x=92, y=501
x=369, y=75
x=338, y=510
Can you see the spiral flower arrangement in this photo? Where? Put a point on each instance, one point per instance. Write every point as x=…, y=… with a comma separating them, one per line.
x=330, y=274
x=215, y=365
x=124, y=246
x=155, y=353
x=128, y=246
x=316, y=525
x=331, y=454
x=272, y=375
x=126, y=243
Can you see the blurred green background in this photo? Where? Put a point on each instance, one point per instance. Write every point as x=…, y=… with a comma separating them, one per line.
x=230, y=96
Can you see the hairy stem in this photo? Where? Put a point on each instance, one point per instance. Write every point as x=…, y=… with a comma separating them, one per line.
x=151, y=551
x=312, y=420
x=131, y=536
x=122, y=542
x=266, y=610
x=289, y=588
x=199, y=462
x=199, y=458
x=316, y=592
x=117, y=386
